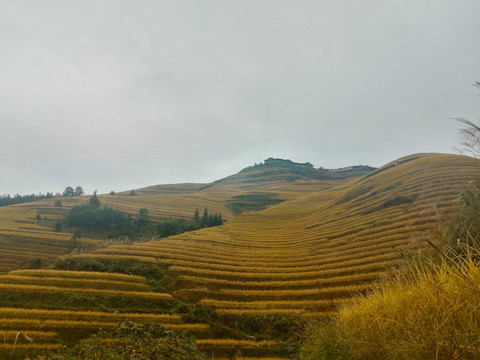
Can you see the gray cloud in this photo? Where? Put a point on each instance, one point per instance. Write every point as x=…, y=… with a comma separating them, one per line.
x=121, y=94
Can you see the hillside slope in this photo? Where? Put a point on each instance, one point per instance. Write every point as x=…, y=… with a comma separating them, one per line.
x=253, y=189
x=322, y=247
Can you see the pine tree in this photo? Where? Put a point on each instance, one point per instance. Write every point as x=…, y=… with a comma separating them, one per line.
x=204, y=221
x=196, y=217
x=94, y=201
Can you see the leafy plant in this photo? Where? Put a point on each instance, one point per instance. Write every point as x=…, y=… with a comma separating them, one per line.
x=470, y=133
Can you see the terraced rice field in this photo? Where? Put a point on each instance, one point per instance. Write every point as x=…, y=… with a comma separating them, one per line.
x=49, y=328
x=23, y=239
x=308, y=254
x=57, y=291
x=327, y=242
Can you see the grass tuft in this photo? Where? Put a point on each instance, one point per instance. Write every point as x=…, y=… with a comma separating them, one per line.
x=433, y=315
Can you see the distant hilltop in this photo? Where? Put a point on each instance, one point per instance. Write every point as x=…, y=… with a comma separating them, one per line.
x=308, y=170
x=276, y=161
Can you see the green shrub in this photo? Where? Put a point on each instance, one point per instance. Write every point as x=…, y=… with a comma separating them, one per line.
x=148, y=341
x=280, y=326
x=199, y=314
x=465, y=229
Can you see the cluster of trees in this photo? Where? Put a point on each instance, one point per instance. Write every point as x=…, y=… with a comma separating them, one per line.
x=207, y=220
x=7, y=199
x=179, y=226
x=70, y=191
x=97, y=218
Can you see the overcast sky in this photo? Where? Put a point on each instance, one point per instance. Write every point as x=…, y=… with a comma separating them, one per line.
x=116, y=95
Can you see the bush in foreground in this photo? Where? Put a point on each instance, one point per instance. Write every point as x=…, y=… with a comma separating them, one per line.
x=150, y=341
x=435, y=315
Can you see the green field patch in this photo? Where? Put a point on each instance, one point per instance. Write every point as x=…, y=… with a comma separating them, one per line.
x=254, y=202
x=353, y=194
x=399, y=200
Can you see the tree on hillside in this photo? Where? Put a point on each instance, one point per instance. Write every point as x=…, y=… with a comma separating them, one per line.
x=98, y=218
x=94, y=201
x=143, y=220
x=196, y=217
x=79, y=191
x=68, y=192
x=204, y=220
x=74, y=241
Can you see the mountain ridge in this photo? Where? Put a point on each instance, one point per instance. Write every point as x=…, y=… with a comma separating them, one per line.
x=271, y=169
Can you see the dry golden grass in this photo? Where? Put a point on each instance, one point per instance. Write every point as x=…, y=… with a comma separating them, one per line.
x=433, y=315
x=29, y=289
x=10, y=335
x=270, y=285
x=334, y=263
x=188, y=327
x=286, y=311
x=49, y=324
x=272, y=304
x=39, y=314
x=22, y=348
x=68, y=274
x=320, y=292
x=77, y=279
x=75, y=283
x=259, y=276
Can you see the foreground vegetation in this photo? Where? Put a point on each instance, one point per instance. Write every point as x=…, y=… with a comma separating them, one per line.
x=128, y=340
x=433, y=315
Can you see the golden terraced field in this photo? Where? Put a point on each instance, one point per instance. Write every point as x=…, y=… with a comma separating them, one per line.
x=326, y=242
x=308, y=253
x=23, y=239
